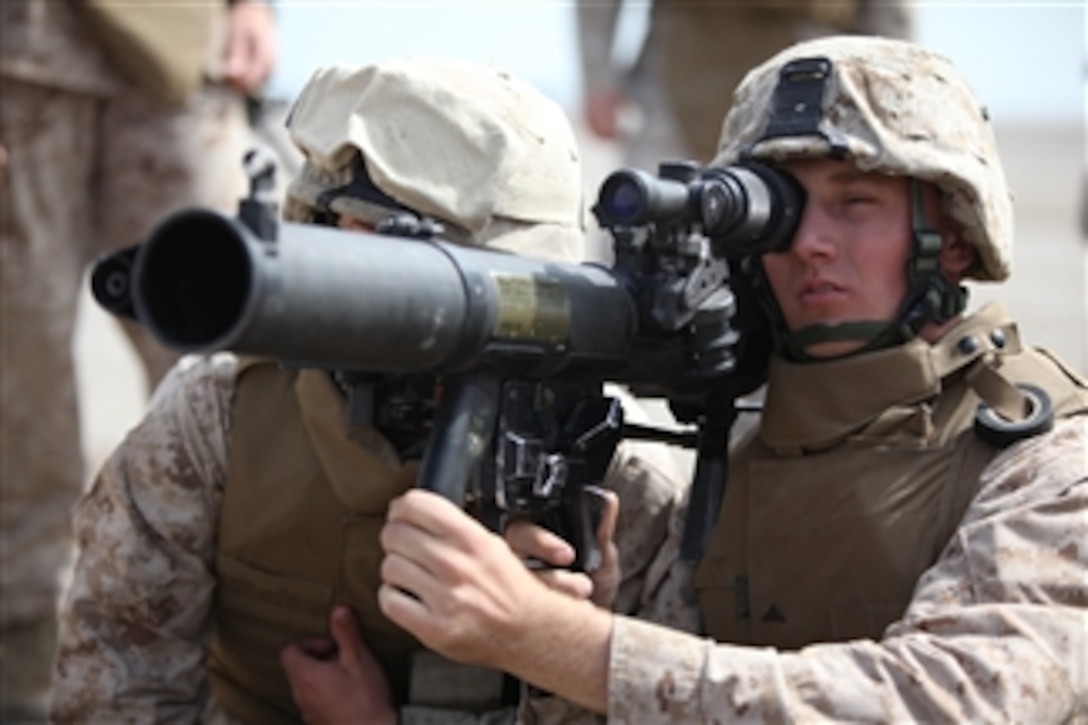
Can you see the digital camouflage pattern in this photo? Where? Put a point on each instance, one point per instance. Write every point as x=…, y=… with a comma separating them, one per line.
x=997, y=630
x=92, y=165
x=135, y=623
x=45, y=45
x=879, y=104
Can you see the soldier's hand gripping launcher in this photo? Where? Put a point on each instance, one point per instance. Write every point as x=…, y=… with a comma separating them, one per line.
x=521, y=346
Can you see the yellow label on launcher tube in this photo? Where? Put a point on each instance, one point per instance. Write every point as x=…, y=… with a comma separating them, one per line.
x=531, y=308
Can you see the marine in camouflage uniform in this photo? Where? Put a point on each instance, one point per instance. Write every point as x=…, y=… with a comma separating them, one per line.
x=93, y=161
x=244, y=506
x=903, y=538
x=694, y=55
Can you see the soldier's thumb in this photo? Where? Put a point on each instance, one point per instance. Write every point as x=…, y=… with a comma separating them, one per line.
x=349, y=640
x=345, y=632
x=353, y=650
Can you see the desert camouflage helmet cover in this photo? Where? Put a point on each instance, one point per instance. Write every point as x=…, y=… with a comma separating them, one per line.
x=899, y=109
x=488, y=155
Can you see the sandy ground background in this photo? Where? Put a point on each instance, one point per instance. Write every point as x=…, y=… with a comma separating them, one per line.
x=1047, y=292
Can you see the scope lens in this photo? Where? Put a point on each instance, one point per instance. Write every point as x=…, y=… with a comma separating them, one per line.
x=626, y=203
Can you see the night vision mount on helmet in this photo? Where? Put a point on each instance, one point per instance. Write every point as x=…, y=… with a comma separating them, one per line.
x=870, y=101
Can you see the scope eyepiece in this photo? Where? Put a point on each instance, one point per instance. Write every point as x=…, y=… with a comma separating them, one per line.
x=750, y=208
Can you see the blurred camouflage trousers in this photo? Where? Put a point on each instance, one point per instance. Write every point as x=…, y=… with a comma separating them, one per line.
x=683, y=83
x=84, y=175
x=696, y=54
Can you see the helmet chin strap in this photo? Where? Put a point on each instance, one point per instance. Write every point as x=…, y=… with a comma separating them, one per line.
x=868, y=332
x=929, y=297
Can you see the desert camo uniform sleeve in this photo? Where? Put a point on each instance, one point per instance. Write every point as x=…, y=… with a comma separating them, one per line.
x=135, y=621
x=651, y=487
x=997, y=630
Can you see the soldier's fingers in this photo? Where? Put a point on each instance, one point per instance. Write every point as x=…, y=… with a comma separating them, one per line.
x=297, y=661
x=345, y=631
x=432, y=513
x=529, y=540
x=408, y=611
x=568, y=582
x=290, y=658
x=407, y=575
x=318, y=647
x=609, y=516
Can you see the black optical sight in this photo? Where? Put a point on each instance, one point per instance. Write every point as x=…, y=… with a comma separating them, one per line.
x=744, y=209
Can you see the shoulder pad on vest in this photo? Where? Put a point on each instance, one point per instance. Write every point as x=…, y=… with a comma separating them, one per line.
x=1002, y=432
x=1032, y=384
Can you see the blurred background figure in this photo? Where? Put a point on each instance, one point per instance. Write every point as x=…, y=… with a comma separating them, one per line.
x=664, y=95
x=114, y=115
x=1084, y=156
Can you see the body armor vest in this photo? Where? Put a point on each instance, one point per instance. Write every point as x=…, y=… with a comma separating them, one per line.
x=298, y=532
x=859, y=477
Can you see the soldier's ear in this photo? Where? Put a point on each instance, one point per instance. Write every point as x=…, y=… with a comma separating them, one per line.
x=957, y=254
